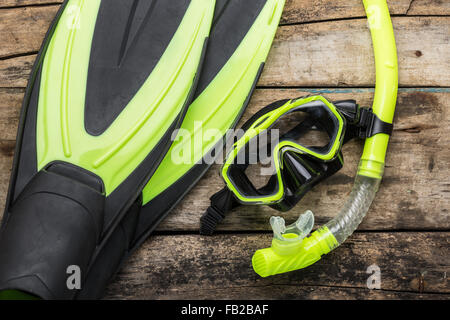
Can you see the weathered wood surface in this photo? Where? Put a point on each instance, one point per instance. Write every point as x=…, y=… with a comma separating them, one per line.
x=413, y=265
x=314, y=10
x=314, y=48
x=326, y=54
x=414, y=194
x=301, y=11
x=20, y=3
x=339, y=54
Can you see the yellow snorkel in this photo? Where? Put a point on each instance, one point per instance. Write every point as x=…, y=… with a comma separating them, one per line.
x=291, y=248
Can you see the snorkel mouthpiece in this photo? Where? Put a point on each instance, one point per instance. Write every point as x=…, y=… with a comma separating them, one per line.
x=291, y=248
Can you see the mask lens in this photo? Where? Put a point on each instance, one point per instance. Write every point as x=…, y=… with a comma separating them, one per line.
x=260, y=172
x=252, y=169
x=304, y=129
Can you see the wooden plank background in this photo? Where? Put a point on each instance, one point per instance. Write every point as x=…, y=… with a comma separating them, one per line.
x=323, y=47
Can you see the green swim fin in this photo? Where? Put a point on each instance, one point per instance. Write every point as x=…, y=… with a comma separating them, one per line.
x=240, y=40
x=112, y=82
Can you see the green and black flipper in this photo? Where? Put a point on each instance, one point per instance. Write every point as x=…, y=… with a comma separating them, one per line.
x=240, y=40
x=112, y=82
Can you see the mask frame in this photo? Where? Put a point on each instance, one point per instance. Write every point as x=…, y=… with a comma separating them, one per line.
x=293, y=161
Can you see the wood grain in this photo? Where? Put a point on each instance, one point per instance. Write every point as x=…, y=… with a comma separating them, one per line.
x=321, y=43
x=339, y=54
x=414, y=194
x=328, y=54
x=21, y=3
x=23, y=29
x=412, y=265
x=304, y=11
x=300, y=11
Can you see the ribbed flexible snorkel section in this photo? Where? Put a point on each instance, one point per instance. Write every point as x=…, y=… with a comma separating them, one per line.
x=355, y=209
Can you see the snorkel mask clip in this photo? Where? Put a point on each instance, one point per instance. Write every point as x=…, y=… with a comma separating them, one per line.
x=369, y=124
x=363, y=120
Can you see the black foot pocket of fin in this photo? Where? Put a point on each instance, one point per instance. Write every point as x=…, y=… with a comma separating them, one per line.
x=51, y=232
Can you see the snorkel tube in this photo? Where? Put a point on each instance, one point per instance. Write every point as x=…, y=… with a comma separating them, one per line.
x=291, y=249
